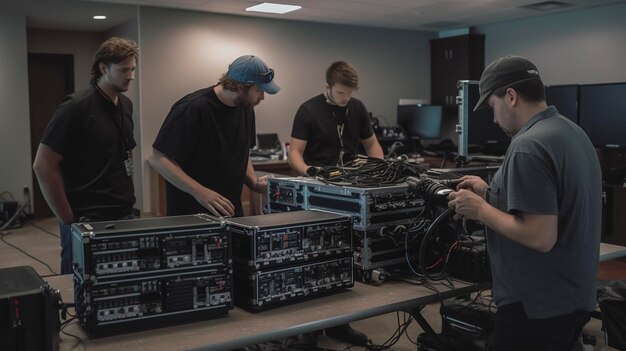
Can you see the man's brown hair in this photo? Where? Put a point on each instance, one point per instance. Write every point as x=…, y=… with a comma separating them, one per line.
x=233, y=85
x=113, y=51
x=343, y=73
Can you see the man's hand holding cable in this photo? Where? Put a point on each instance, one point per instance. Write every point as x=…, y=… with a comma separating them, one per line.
x=466, y=204
x=469, y=198
x=476, y=184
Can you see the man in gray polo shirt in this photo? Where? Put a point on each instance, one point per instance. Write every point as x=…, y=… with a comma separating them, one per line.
x=543, y=213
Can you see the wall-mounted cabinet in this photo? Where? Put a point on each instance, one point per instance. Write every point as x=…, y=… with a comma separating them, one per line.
x=453, y=59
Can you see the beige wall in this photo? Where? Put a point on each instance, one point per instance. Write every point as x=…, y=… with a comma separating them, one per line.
x=15, y=153
x=183, y=51
x=581, y=47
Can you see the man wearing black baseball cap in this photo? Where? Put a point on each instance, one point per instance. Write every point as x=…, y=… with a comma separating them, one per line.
x=542, y=210
x=203, y=147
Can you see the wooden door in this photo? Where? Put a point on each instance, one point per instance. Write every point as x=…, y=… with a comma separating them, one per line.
x=50, y=78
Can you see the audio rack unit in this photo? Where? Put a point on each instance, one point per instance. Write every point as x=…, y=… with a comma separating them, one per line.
x=139, y=273
x=141, y=246
x=287, y=257
x=370, y=208
x=259, y=290
x=114, y=305
x=287, y=194
x=378, y=248
x=380, y=216
x=289, y=237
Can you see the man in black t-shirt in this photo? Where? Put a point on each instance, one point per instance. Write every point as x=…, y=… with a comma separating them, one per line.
x=331, y=124
x=203, y=147
x=83, y=163
x=325, y=128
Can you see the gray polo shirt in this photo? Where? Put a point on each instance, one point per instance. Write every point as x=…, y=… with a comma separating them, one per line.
x=550, y=168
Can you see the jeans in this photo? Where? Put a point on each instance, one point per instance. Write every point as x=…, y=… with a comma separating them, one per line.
x=515, y=331
x=66, y=248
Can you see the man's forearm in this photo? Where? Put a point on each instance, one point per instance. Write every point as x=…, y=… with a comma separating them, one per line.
x=173, y=173
x=296, y=161
x=376, y=151
x=51, y=184
x=537, y=232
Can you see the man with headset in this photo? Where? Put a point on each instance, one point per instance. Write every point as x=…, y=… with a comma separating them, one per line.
x=331, y=124
x=325, y=128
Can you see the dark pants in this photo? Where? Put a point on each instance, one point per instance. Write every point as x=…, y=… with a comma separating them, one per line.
x=66, y=248
x=66, y=244
x=514, y=331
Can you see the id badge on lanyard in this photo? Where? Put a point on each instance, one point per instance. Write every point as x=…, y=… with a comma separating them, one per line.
x=128, y=164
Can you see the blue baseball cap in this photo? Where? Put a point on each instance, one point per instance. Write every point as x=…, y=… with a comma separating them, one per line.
x=250, y=69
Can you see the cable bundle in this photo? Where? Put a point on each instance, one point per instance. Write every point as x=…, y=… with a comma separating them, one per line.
x=369, y=172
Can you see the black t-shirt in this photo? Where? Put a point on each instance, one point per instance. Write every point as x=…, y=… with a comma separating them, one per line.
x=211, y=142
x=93, y=135
x=316, y=122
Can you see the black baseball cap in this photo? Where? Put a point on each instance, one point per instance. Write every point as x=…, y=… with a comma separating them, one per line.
x=504, y=71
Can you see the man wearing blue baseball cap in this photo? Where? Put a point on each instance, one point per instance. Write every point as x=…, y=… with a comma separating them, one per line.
x=203, y=147
x=543, y=214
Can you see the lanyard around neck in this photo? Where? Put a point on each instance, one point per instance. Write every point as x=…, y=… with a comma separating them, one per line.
x=340, y=126
x=120, y=123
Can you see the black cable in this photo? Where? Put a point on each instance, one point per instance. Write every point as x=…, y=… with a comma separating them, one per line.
x=411, y=340
x=393, y=339
x=13, y=217
x=80, y=341
x=7, y=192
x=2, y=238
x=408, y=257
x=44, y=230
x=369, y=172
x=422, y=251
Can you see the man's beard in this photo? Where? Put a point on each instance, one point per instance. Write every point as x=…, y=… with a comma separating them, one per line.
x=508, y=133
x=244, y=101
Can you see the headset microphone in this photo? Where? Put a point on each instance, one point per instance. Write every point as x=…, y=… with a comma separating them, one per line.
x=328, y=99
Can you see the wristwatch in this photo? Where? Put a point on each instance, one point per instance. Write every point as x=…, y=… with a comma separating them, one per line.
x=312, y=171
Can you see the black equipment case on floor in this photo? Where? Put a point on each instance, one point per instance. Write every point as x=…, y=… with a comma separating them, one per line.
x=29, y=314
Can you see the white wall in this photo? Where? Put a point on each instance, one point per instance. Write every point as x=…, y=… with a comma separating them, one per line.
x=15, y=153
x=580, y=47
x=183, y=51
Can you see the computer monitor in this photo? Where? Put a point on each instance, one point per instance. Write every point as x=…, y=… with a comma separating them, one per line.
x=565, y=99
x=268, y=141
x=420, y=122
x=602, y=113
x=483, y=135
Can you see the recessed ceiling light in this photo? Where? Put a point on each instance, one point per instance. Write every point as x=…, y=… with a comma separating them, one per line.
x=99, y=17
x=546, y=6
x=269, y=7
